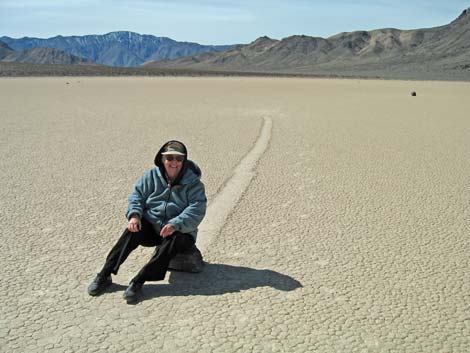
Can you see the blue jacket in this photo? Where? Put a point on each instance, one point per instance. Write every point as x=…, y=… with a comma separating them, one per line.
x=182, y=204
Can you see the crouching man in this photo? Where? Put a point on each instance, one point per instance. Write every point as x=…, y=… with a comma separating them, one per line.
x=165, y=208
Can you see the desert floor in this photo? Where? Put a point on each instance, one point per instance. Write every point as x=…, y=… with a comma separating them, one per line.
x=345, y=217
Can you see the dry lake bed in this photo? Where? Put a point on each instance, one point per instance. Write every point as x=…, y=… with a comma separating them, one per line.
x=338, y=214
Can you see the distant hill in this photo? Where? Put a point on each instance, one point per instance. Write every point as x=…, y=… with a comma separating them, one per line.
x=383, y=50
x=44, y=56
x=116, y=48
x=39, y=56
x=4, y=50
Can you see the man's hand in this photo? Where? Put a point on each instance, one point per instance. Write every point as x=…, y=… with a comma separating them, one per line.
x=167, y=230
x=134, y=224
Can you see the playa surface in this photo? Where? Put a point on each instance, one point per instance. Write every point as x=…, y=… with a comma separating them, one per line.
x=344, y=227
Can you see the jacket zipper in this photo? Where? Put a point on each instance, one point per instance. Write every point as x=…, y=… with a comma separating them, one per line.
x=166, y=204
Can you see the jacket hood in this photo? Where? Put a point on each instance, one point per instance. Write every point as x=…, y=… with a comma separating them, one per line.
x=187, y=164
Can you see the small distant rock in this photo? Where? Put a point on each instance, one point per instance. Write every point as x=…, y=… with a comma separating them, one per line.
x=66, y=83
x=413, y=94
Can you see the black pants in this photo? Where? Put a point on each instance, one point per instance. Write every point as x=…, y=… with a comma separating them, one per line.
x=157, y=267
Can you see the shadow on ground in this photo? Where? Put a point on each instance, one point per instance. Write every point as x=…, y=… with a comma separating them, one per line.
x=218, y=279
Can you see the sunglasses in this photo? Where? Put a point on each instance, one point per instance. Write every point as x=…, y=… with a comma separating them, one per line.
x=170, y=158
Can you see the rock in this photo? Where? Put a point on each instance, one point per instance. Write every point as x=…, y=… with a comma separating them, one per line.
x=188, y=261
x=413, y=94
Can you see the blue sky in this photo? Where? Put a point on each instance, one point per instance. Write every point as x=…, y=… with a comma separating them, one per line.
x=220, y=22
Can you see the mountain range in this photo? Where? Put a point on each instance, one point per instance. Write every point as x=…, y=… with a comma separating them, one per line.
x=121, y=48
x=40, y=56
x=428, y=53
x=440, y=48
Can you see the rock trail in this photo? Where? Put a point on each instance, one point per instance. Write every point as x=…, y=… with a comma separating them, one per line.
x=227, y=198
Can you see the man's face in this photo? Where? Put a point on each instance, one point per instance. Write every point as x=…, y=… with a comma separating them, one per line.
x=173, y=164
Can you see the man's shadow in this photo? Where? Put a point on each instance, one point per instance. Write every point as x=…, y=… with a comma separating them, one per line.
x=218, y=279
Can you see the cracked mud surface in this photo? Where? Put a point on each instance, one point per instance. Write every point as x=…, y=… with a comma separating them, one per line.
x=353, y=234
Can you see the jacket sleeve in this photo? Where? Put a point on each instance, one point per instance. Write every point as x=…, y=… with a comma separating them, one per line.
x=188, y=220
x=142, y=190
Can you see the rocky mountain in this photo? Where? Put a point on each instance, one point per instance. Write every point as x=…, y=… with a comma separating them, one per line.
x=43, y=56
x=115, y=48
x=444, y=47
x=4, y=50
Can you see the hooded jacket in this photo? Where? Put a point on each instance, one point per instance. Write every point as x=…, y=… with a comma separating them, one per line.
x=183, y=203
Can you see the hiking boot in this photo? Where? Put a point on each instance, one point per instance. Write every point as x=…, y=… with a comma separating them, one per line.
x=133, y=292
x=99, y=284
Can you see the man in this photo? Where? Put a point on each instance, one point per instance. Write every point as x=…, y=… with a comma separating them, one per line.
x=165, y=208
